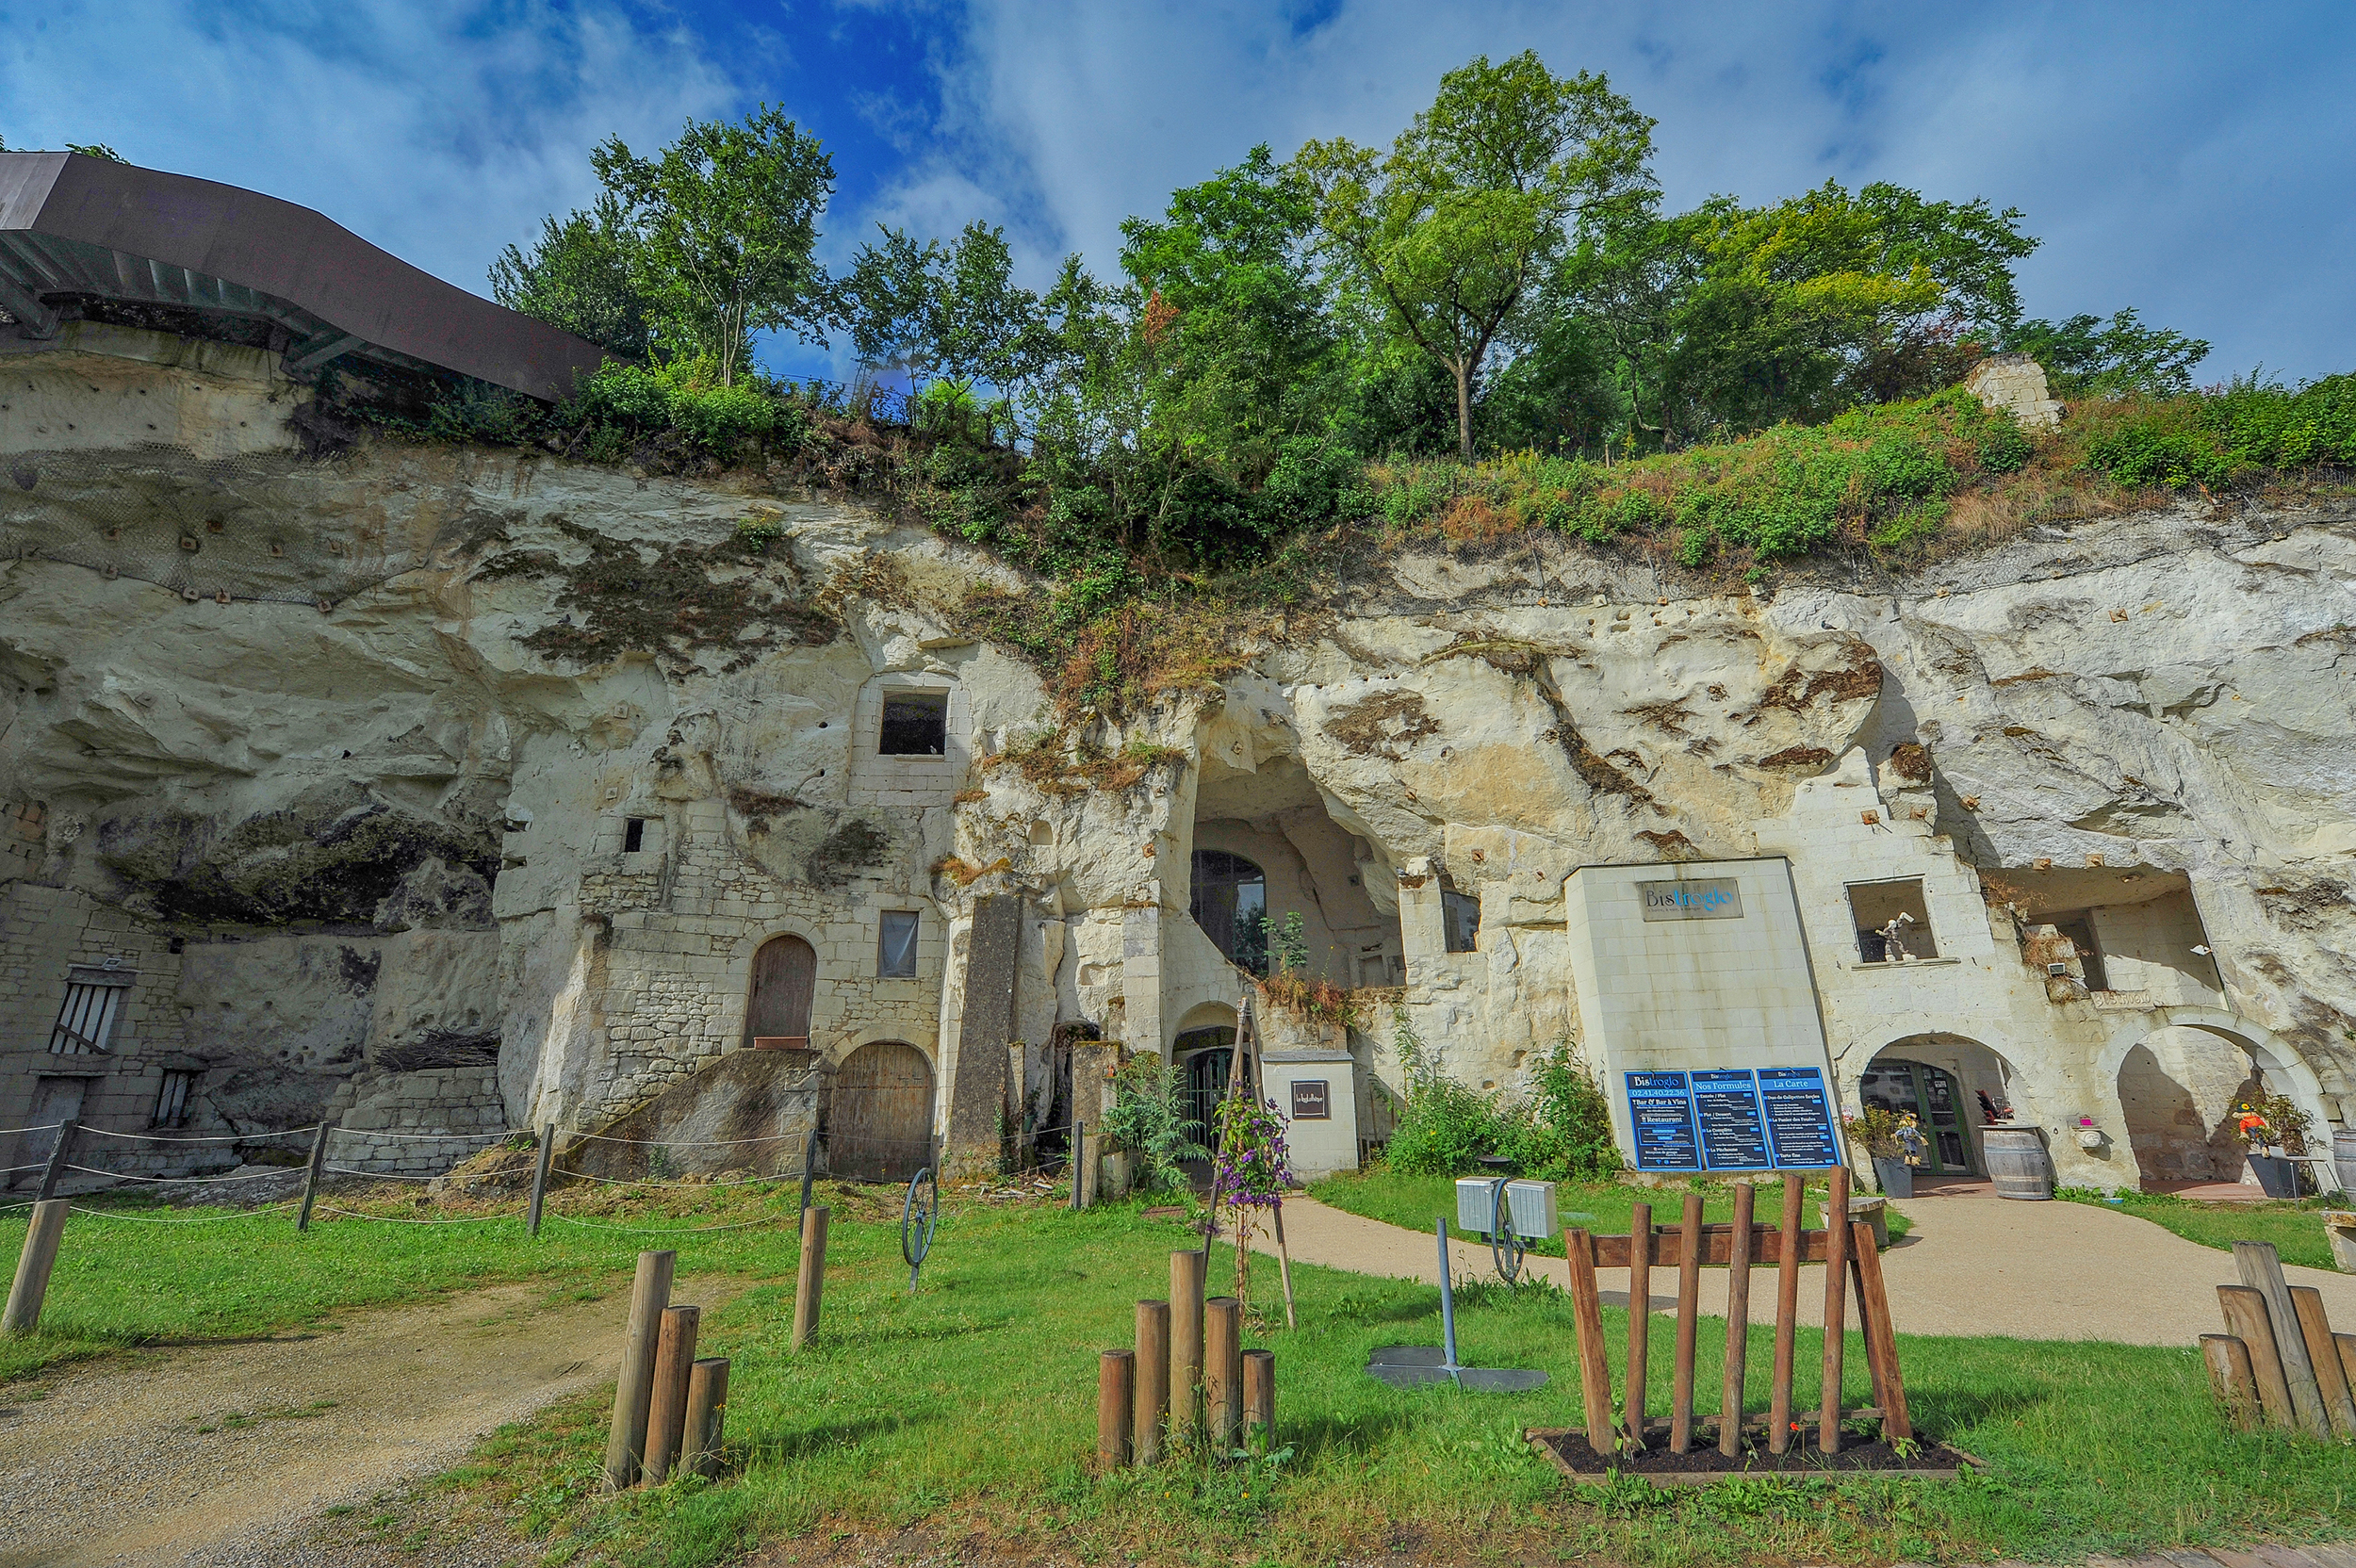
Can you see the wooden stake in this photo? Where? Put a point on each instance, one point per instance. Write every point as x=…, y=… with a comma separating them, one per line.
x=2347, y=1344
x=33, y=1266
x=1116, y=1416
x=1689, y=1324
x=60, y=1152
x=1594, y=1373
x=540, y=1175
x=2246, y=1320
x=1222, y=1370
x=707, y=1410
x=812, y=1281
x=2330, y=1377
x=1861, y=1241
x=666, y=1410
x=1152, y=1380
x=650, y=1293
x=311, y=1174
x=1639, y=1321
x=1259, y=1395
x=1284, y=1262
x=1835, y=1302
x=1186, y=1339
x=2261, y=1269
x=2230, y=1378
x=1738, y=1325
x=1787, y=1313
x=1889, y=1384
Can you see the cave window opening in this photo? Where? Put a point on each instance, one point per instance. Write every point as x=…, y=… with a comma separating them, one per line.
x=93, y=996
x=1230, y=904
x=915, y=724
x=2079, y=928
x=1460, y=921
x=895, y=945
x=634, y=836
x=1894, y=923
x=171, y=1100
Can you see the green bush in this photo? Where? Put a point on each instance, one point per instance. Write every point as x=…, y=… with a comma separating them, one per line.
x=1563, y=1132
x=1149, y=1118
x=625, y=403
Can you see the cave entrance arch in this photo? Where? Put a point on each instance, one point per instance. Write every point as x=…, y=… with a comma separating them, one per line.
x=785, y=979
x=2186, y=1053
x=1953, y=1086
x=880, y=1124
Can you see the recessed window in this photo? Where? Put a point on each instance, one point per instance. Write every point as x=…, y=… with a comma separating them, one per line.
x=1460, y=920
x=915, y=724
x=634, y=836
x=171, y=1100
x=93, y=995
x=895, y=945
x=1229, y=903
x=1894, y=923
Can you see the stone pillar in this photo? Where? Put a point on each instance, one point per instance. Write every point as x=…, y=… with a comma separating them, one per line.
x=978, y=1093
x=1141, y=978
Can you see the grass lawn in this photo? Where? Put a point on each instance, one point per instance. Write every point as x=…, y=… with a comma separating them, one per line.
x=1601, y=1207
x=2296, y=1227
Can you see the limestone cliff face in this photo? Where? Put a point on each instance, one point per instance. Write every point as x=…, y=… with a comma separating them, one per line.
x=348, y=751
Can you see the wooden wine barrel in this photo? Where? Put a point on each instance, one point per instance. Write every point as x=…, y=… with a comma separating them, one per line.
x=2016, y=1162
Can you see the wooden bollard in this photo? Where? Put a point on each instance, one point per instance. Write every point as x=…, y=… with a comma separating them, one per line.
x=2331, y=1377
x=1594, y=1373
x=2246, y=1320
x=1222, y=1371
x=650, y=1293
x=707, y=1412
x=812, y=1281
x=2347, y=1344
x=1152, y=1381
x=666, y=1410
x=1259, y=1394
x=2261, y=1267
x=1186, y=1338
x=1787, y=1313
x=1738, y=1323
x=1835, y=1310
x=2231, y=1381
x=1116, y=1416
x=1689, y=1324
x=1639, y=1320
x=33, y=1267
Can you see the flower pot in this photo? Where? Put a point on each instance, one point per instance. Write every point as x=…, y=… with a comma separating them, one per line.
x=2277, y=1176
x=1895, y=1176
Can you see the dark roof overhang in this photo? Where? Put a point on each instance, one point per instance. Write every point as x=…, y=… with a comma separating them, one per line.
x=72, y=226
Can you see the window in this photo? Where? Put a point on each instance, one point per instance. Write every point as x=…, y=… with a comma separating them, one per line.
x=915, y=724
x=1229, y=903
x=895, y=945
x=1893, y=925
x=2079, y=928
x=634, y=836
x=171, y=1100
x=1460, y=921
x=93, y=995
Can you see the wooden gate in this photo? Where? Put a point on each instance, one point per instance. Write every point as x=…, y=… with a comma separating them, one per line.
x=879, y=1126
x=785, y=975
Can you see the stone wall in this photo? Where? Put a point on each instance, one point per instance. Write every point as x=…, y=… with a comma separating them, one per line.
x=414, y=1123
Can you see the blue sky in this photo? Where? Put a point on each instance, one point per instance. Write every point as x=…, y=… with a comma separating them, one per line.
x=2193, y=161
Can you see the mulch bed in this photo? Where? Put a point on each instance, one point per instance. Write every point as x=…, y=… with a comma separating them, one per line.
x=1702, y=1465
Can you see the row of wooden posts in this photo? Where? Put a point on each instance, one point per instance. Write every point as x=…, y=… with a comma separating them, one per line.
x=2279, y=1363
x=669, y=1406
x=1188, y=1372
x=1845, y=1246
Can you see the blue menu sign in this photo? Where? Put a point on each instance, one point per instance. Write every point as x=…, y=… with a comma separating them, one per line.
x=1733, y=1132
x=1799, y=1117
x=1661, y=1112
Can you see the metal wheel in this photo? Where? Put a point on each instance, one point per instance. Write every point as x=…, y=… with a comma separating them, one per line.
x=1506, y=1248
x=919, y=1214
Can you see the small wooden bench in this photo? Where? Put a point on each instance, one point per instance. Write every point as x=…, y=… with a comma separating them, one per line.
x=2339, y=1228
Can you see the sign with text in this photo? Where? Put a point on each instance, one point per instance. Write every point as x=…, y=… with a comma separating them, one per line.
x=1718, y=898
x=1309, y=1102
x=1799, y=1117
x=1734, y=1133
x=1661, y=1111
x=1732, y=1119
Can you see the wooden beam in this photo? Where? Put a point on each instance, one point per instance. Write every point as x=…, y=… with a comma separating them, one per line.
x=1716, y=1246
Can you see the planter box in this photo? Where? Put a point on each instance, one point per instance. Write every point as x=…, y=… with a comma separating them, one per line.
x=2277, y=1177
x=1895, y=1176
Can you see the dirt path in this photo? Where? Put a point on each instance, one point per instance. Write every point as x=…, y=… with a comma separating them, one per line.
x=1972, y=1265
x=204, y=1453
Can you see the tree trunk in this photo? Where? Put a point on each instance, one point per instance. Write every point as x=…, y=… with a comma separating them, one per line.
x=1464, y=410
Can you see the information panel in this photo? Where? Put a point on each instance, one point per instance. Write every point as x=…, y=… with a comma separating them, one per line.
x=1799, y=1117
x=1733, y=1132
x=1660, y=1110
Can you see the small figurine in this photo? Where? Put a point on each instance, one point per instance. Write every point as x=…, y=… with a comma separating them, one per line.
x=1894, y=946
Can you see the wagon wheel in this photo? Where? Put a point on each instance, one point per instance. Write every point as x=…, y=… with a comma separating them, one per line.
x=1505, y=1246
x=919, y=1214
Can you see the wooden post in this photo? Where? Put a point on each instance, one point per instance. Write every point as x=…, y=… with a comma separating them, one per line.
x=2230, y=1378
x=1836, y=1304
x=540, y=1175
x=1259, y=1395
x=60, y=1152
x=1639, y=1321
x=1889, y=1384
x=812, y=1281
x=1689, y=1324
x=650, y=1293
x=2245, y=1309
x=1860, y=1241
x=1284, y=1261
x=33, y=1265
x=1222, y=1371
x=707, y=1412
x=1083, y=1192
x=2347, y=1344
x=2330, y=1377
x=1787, y=1313
x=311, y=1174
x=1116, y=1391
x=2261, y=1268
x=1738, y=1322
x=666, y=1410
x=1594, y=1373
x=1186, y=1338
x=1152, y=1380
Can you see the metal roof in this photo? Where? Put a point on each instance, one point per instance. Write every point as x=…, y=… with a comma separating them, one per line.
x=72, y=225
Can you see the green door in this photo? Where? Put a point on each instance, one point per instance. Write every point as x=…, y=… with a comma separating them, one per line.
x=1936, y=1102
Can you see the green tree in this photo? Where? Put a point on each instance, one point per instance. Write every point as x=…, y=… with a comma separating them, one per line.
x=579, y=278
x=1449, y=236
x=2086, y=354
x=725, y=220
x=951, y=311
x=89, y=149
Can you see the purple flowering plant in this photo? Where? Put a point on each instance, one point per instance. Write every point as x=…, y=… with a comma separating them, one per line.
x=1254, y=1169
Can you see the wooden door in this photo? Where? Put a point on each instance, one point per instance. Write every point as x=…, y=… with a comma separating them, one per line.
x=785, y=976
x=54, y=1101
x=879, y=1125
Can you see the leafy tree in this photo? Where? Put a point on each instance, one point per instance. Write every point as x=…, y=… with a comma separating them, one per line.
x=725, y=222
x=951, y=311
x=2086, y=354
x=579, y=278
x=1447, y=236
x=89, y=149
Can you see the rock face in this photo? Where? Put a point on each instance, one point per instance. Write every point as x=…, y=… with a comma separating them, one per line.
x=429, y=756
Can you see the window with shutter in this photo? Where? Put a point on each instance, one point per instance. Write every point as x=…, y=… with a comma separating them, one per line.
x=93, y=996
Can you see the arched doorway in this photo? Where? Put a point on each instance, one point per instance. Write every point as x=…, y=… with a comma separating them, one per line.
x=1935, y=1099
x=785, y=977
x=2177, y=1087
x=1229, y=903
x=879, y=1125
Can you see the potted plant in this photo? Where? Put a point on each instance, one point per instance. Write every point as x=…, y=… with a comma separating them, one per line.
x=1893, y=1139
x=2267, y=1124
